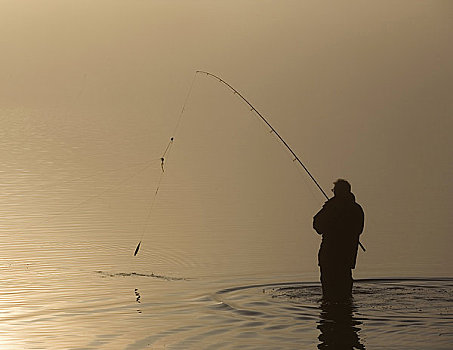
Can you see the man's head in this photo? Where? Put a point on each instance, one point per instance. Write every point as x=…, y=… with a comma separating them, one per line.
x=341, y=188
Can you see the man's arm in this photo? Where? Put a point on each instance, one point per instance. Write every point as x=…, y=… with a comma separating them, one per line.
x=321, y=220
x=317, y=222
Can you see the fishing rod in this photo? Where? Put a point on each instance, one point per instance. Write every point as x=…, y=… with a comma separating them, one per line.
x=269, y=125
x=253, y=109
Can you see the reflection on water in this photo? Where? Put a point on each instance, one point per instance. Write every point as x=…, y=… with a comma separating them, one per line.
x=384, y=313
x=137, y=295
x=338, y=326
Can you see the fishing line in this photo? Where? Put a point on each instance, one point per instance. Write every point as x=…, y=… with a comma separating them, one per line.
x=153, y=201
x=163, y=159
x=189, y=93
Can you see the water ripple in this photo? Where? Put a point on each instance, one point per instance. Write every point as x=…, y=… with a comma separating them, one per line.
x=135, y=274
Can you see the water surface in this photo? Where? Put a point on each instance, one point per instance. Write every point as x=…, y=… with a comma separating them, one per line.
x=216, y=270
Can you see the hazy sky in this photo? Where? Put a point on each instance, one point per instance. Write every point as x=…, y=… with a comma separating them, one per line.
x=360, y=90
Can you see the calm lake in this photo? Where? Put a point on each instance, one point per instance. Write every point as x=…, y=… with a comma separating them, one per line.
x=225, y=263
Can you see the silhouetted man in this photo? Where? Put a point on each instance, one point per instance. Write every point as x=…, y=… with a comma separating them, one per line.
x=340, y=222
